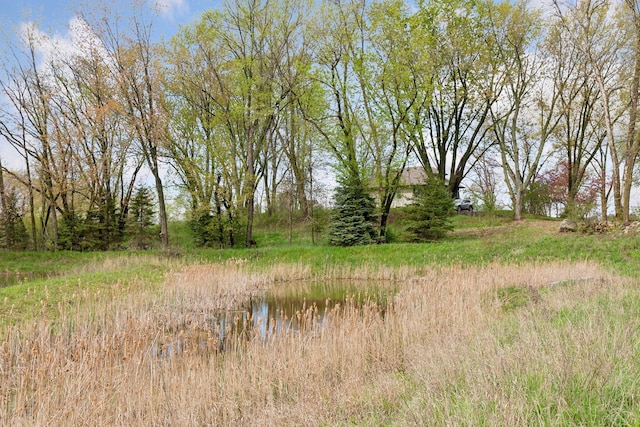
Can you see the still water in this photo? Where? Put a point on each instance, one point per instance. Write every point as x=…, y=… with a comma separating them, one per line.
x=271, y=316
x=264, y=319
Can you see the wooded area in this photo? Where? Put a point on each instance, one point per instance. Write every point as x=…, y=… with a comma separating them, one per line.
x=245, y=106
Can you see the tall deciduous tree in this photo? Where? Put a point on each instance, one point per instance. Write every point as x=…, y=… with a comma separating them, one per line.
x=248, y=93
x=239, y=81
x=136, y=67
x=592, y=31
x=523, y=119
x=91, y=123
x=296, y=137
x=28, y=126
x=579, y=134
x=631, y=10
x=467, y=81
x=337, y=123
x=195, y=146
x=391, y=81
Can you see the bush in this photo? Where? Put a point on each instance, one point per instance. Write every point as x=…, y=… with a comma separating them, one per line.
x=537, y=199
x=215, y=230
x=429, y=217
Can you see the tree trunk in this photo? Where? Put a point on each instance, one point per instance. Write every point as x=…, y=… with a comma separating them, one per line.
x=32, y=208
x=384, y=217
x=162, y=211
x=622, y=211
x=250, y=202
x=5, y=214
x=632, y=143
x=518, y=199
x=603, y=202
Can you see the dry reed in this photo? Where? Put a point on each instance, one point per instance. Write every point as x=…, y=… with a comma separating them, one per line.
x=444, y=352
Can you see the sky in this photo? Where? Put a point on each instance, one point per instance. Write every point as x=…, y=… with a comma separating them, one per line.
x=53, y=16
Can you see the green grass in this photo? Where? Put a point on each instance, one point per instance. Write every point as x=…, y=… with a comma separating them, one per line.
x=519, y=244
x=489, y=219
x=74, y=276
x=474, y=242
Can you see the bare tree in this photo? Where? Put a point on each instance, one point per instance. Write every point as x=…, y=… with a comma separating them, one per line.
x=28, y=126
x=93, y=124
x=135, y=64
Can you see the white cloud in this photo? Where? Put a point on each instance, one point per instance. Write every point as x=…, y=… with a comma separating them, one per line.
x=172, y=8
x=78, y=41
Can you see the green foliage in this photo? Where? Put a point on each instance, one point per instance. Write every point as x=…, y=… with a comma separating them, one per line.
x=429, y=217
x=213, y=230
x=351, y=219
x=140, y=221
x=537, y=199
x=97, y=230
x=69, y=228
x=14, y=235
x=100, y=229
x=202, y=226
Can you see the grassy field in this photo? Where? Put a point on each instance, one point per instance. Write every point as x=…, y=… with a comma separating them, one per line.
x=500, y=323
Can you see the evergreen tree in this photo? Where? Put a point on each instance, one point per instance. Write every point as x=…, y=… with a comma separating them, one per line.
x=69, y=231
x=140, y=221
x=209, y=228
x=100, y=230
x=13, y=234
x=351, y=219
x=429, y=217
x=96, y=230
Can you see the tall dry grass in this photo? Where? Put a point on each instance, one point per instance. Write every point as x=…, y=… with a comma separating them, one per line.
x=447, y=350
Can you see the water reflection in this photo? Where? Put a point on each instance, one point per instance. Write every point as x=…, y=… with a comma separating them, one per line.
x=271, y=316
x=263, y=319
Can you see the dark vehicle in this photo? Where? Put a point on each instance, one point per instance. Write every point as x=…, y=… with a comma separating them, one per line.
x=463, y=205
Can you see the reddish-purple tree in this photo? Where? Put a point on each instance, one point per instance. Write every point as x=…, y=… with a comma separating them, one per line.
x=578, y=199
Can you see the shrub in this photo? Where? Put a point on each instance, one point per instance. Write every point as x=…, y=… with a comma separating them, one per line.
x=429, y=217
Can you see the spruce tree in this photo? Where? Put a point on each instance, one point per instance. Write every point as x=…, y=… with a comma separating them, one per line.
x=140, y=221
x=429, y=217
x=15, y=233
x=351, y=219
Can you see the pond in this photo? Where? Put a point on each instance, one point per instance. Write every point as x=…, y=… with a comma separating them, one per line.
x=273, y=315
x=264, y=319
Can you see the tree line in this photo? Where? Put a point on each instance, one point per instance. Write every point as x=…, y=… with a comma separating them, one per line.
x=250, y=99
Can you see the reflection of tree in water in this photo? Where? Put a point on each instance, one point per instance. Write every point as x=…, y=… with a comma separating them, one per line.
x=263, y=319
